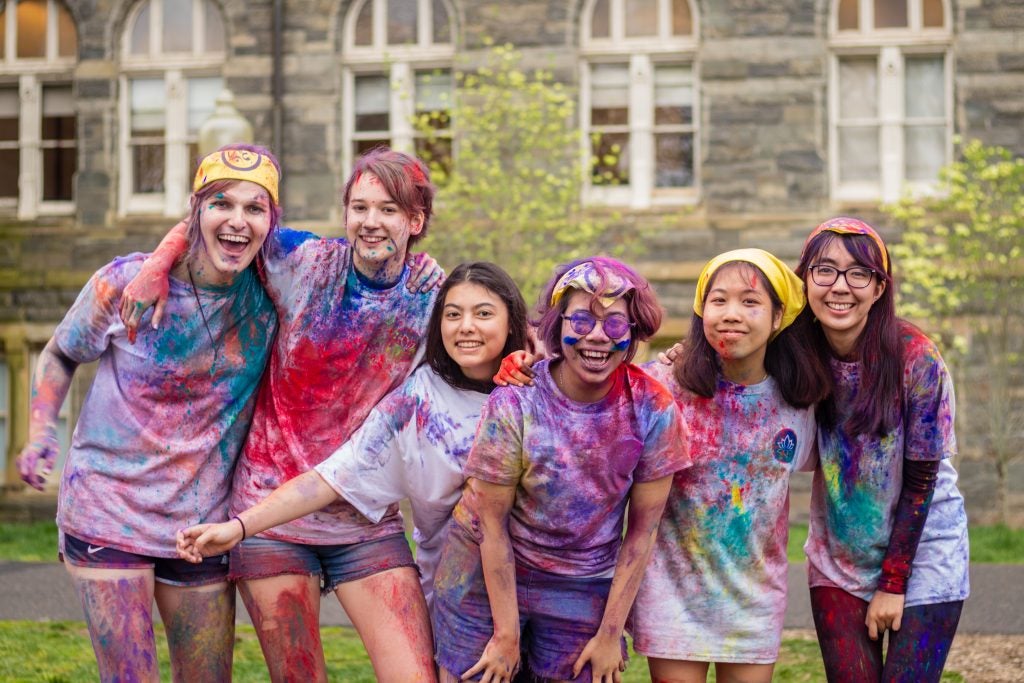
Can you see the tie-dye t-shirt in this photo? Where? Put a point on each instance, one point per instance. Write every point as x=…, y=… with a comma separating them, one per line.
x=413, y=445
x=715, y=588
x=165, y=418
x=342, y=346
x=857, y=486
x=573, y=465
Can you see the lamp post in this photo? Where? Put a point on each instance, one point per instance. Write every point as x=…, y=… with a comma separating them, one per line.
x=224, y=126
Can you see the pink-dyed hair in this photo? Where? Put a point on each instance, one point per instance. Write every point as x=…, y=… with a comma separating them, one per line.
x=404, y=177
x=641, y=302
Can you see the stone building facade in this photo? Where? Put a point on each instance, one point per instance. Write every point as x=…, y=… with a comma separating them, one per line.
x=745, y=122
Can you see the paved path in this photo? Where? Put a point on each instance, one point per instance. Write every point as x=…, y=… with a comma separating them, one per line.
x=32, y=590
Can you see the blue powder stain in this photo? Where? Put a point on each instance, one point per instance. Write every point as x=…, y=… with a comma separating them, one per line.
x=621, y=346
x=570, y=341
x=219, y=195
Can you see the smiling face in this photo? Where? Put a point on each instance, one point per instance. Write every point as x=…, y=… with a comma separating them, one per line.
x=589, y=360
x=474, y=328
x=378, y=230
x=233, y=225
x=739, y=320
x=841, y=310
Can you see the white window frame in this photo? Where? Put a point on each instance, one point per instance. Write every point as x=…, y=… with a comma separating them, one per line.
x=890, y=47
x=642, y=55
x=32, y=74
x=399, y=63
x=175, y=69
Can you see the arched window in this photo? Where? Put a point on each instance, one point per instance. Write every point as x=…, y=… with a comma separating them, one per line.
x=639, y=101
x=890, y=97
x=396, y=64
x=172, y=55
x=38, y=125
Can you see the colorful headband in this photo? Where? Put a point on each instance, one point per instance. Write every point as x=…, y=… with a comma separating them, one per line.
x=607, y=286
x=238, y=164
x=851, y=226
x=787, y=285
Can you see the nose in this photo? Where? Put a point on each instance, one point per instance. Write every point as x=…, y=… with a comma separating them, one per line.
x=598, y=334
x=237, y=218
x=466, y=324
x=732, y=311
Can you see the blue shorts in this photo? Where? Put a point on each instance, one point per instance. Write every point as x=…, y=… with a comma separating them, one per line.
x=169, y=570
x=262, y=558
x=558, y=615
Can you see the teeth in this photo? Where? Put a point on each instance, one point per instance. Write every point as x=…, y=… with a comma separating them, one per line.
x=227, y=237
x=595, y=355
x=372, y=239
x=839, y=307
x=468, y=344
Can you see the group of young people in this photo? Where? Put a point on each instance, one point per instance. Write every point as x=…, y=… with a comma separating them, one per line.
x=288, y=390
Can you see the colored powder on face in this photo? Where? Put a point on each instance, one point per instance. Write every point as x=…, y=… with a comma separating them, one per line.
x=621, y=345
x=219, y=195
x=570, y=341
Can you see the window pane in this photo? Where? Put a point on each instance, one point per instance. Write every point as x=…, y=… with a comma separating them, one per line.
x=641, y=18
x=10, y=157
x=890, y=13
x=858, y=88
x=147, y=97
x=858, y=153
x=148, y=168
x=673, y=160
x=924, y=87
x=925, y=152
x=609, y=95
x=67, y=37
x=402, y=22
x=932, y=14
x=610, y=159
x=442, y=29
x=202, y=93
x=59, y=166
x=600, y=22
x=58, y=113
x=140, y=32
x=364, y=24
x=31, y=28
x=177, y=26
x=682, y=22
x=9, y=110
x=214, y=29
x=372, y=105
x=361, y=147
x=10, y=165
x=433, y=96
x=848, y=18
x=673, y=95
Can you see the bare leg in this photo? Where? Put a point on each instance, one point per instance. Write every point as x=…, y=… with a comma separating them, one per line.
x=118, y=606
x=200, y=624
x=390, y=614
x=677, y=671
x=743, y=673
x=286, y=613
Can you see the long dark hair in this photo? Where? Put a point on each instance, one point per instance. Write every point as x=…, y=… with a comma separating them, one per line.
x=877, y=408
x=496, y=280
x=801, y=375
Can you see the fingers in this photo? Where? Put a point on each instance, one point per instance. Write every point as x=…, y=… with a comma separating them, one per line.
x=435, y=280
x=158, y=314
x=897, y=622
x=872, y=629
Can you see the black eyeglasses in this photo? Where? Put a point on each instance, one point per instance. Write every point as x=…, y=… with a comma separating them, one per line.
x=616, y=325
x=857, y=277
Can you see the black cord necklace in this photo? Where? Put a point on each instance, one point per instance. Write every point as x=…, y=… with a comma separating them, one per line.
x=202, y=313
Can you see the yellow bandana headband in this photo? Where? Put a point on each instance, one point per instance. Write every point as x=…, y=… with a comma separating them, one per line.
x=788, y=287
x=605, y=285
x=238, y=164
x=851, y=226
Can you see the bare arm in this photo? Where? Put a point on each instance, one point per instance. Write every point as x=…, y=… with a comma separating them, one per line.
x=50, y=385
x=646, y=504
x=150, y=285
x=493, y=503
x=304, y=494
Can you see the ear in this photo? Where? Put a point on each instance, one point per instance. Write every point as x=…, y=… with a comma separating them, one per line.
x=777, y=318
x=879, y=290
x=416, y=224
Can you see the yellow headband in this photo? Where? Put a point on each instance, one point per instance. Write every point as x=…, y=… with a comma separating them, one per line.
x=585, y=276
x=788, y=287
x=238, y=164
x=851, y=226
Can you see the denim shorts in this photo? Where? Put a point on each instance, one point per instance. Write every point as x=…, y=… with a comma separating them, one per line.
x=558, y=615
x=262, y=558
x=169, y=570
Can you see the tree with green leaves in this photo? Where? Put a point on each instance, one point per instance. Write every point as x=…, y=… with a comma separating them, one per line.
x=962, y=267
x=511, y=190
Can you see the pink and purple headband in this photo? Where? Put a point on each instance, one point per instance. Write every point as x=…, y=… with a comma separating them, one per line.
x=851, y=226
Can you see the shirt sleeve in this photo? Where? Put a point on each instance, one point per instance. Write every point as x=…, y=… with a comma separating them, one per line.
x=497, y=453
x=85, y=332
x=930, y=407
x=666, y=439
x=293, y=256
x=807, y=454
x=370, y=470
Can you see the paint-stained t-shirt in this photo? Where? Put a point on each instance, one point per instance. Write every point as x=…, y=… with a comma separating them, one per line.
x=165, y=419
x=573, y=465
x=413, y=445
x=715, y=588
x=342, y=346
x=857, y=486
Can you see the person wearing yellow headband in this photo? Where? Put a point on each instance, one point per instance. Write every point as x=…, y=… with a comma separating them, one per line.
x=715, y=588
x=887, y=545
x=159, y=434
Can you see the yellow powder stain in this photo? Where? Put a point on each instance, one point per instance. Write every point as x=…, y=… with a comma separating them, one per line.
x=737, y=497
